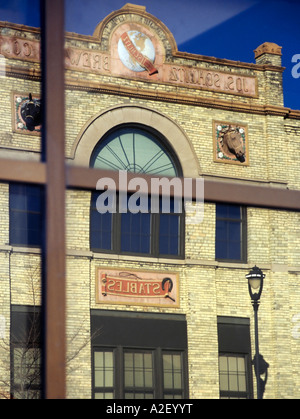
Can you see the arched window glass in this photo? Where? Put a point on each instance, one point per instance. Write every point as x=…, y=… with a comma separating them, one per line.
x=138, y=150
x=135, y=150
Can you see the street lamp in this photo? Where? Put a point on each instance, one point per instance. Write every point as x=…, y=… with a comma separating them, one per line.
x=255, y=285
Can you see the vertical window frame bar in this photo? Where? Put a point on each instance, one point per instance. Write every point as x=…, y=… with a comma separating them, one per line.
x=54, y=297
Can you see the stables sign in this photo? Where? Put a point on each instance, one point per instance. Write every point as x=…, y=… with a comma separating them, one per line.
x=149, y=288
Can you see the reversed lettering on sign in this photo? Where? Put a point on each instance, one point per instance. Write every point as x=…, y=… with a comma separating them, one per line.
x=212, y=80
x=87, y=60
x=134, y=287
x=137, y=55
x=20, y=48
x=95, y=61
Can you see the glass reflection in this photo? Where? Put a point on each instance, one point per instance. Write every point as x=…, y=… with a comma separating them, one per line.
x=20, y=80
x=21, y=205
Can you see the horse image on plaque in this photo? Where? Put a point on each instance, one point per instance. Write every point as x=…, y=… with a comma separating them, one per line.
x=230, y=143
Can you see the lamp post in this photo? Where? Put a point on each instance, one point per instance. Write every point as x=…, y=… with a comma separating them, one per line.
x=255, y=286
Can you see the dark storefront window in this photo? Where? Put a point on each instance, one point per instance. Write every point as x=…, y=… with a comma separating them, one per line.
x=155, y=367
x=131, y=374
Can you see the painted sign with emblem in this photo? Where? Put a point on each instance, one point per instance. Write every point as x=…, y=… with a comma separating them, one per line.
x=148, y=288
x=137, y=52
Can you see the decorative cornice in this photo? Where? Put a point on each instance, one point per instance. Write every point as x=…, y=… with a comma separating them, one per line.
x=69, y=36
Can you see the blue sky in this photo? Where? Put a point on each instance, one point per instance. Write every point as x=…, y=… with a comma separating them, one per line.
x=229, y=29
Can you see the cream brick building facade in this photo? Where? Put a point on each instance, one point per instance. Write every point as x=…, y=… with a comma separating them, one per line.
x=183, y=101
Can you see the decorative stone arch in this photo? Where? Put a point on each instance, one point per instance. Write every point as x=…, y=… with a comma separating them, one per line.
x=103, y=122
x=104, y=30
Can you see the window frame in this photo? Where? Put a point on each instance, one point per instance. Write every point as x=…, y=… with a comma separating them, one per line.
x=26, y=212
x=243, y=233
x=155, y=218
x=103, y=389
x=233, y=394
x=34, y=388
x=158, y=390
x=234, y=340
x=26, y=335
x=158, y=137
x=154, y=235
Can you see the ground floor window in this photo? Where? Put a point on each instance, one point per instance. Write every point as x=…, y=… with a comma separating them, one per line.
x=147, y=362
x=25, y=350
x=26, y=372
x=145, y=374
x=235, y=374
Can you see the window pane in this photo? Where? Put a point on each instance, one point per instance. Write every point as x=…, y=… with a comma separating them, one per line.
x=221, y=211
x=229, y=239
x=135, y=232
x=172, y=366
x=235, y=231
x=101, y=230
x=234, y=250
x=232, y=375
x=223, y=363
x=107, y=395
x=228, y=211
x=223, y=381
x=26, y=219
x=241, y=364
x=242, y=382
x=27, y=366
x=222, y=230
x=169, y=234
x=104, y=369
x=128, y=366
x=138, y=373
x=172, y=396
x=233, y=382
x=234, y=211
x=135, y=150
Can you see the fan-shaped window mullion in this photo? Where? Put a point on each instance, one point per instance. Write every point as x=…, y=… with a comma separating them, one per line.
x=134, y=150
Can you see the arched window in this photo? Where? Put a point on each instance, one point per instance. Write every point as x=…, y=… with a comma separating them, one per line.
x=134, y=149
x=138, y=149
